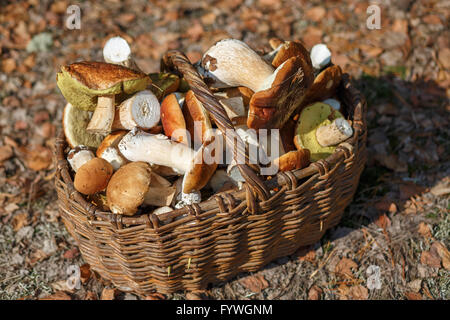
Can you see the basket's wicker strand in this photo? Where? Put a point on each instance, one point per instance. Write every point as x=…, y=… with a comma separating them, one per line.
x=217, y=239
x=177, y=60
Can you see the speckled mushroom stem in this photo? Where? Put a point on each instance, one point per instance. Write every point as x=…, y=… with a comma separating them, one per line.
x=334, y=133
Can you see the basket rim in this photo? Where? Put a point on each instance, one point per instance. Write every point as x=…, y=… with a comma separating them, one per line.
x=281, y=179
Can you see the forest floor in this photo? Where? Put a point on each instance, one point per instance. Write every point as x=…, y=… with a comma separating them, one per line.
x=399, y=219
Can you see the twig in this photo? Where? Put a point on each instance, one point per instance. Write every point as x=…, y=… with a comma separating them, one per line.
x=322, y=264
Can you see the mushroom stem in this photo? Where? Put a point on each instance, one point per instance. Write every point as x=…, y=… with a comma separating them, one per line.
x=160, y=193
x=118, y=51
x=103, y=117
x=336, y=132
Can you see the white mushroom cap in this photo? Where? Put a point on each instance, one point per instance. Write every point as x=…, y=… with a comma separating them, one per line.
x=79, y=156
x=320, y=56
x=335, y=104
x=113, y=156
x=116, y=50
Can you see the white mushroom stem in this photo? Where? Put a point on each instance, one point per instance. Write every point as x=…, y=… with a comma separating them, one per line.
x=160, y=193
x=320, y=56
x=234, y=107
x=118, y=51
x=79, y=156
x=234, y=63
x=113, y=156
x=219, y=180
x=103, y=117
x=184, y=199
x=335, y=104
x=336, y=132
x=141, y=110
x=157, y=149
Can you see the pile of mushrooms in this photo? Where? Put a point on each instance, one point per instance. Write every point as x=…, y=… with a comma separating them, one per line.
x=139, y=142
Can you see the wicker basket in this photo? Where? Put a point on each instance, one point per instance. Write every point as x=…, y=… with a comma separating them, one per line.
x=232, y=232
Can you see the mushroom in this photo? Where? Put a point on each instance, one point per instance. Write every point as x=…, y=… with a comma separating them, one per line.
x=172, y=118
x=74, y=123
x=335, y=104
x=288, y=50
x=198, y=123
x=79, y=156
x=93, y=176
x=117, y=51
x=320, y=56
x=308, y=136
x=221, y=181
x=94, y=85
x=277, y=92
x=324, y=85
x=292, y=160
x=164, y=83
x=161, y=191
x=159, y=149
x=109, y=151
x=185, y=199
x=142, y=110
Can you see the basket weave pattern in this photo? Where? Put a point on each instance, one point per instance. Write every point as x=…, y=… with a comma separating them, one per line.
x=230, y=233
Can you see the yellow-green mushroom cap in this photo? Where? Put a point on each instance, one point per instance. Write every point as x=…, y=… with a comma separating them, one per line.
x=164, y=83
x=312, y=117
x=82, y=82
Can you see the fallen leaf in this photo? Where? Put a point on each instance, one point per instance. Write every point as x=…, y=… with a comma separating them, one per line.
x=413, y=296
x=440, y=189
x=444, y=57
x=306, y=253
x=195, y=31
x=155, y=296
x=11, y=207
x=108, y=294
x=255, y=283
x=314, y=293
x=415, y=285
x=20, y=220
x=58, y=295
x=5, y=153
x=424, y=230
x=383, y=221
x=85, y=273
x=71, y=253
x=36, y=256
x=408, y=190
x=359, y=293
x=344, y=267
x=315, y=14
x=431, y=258
x=432, y=19
x=443, y=253
x=8, y=65
x=193, y=296
x=39, y=158
x=90, y=296
x=62, y=285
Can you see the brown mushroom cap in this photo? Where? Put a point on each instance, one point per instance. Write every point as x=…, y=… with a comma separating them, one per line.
x=292, y=160
x=272, y=107
x=291, y=49
x=128, y=186
x=172, y=119
x=93, y=176
x=197, y=119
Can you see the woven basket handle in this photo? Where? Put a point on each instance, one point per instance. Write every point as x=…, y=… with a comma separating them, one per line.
x=176, y=60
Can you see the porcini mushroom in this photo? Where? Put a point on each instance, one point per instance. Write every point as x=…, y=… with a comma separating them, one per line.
x=172, y=118
x=296, y=159
x=159, y=149
x=320, y=56
x=311, y=119
x=288, y=50
x=117, y=51
x=197, y=119
x=184, y=199
x=142, y=110
x=93, y=176
x=74, y=123
x=79, y=156
x=324, y=85
x=94, y=85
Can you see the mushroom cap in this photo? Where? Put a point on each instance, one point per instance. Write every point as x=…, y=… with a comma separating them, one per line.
x=164, y=83
x=93, y=176
x=110, y=141
x=320, y=56
x=74, y=123
x=292, y=160
x=172, y=119
x=116, y=50
x=270, y=108
x=312, y=117
x=197, y=119
x=79, y=156
x=291, y=49
x=128, y=186
x=324, y=85
x=201, y=170
x=82, y=82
